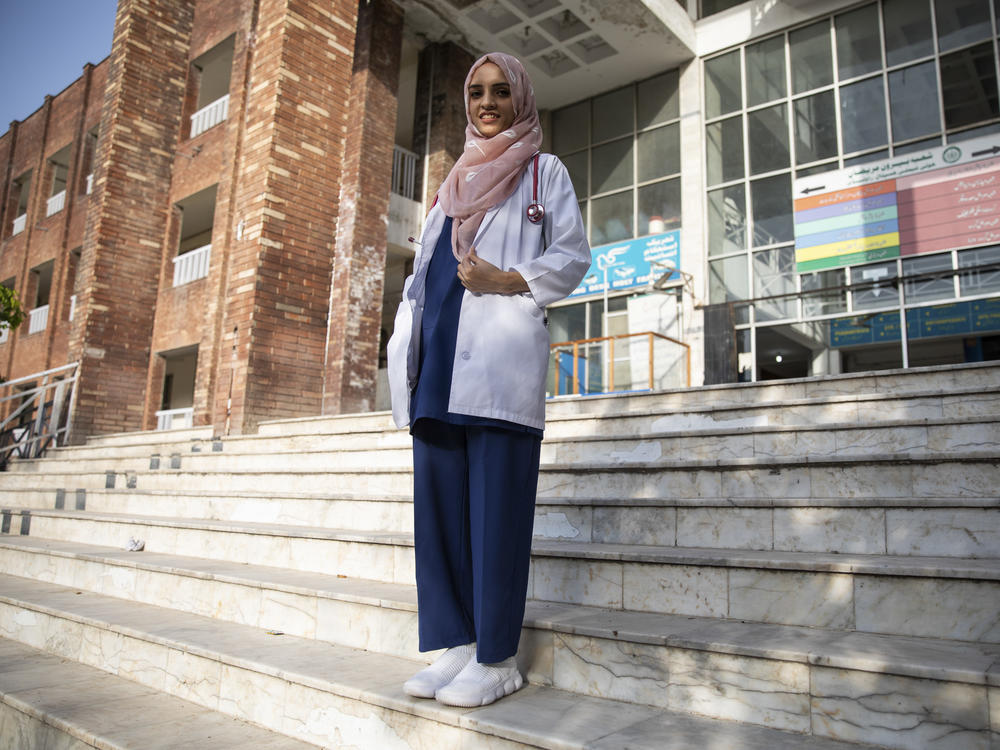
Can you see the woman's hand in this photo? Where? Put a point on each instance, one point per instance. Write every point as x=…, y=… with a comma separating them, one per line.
x=478, y=275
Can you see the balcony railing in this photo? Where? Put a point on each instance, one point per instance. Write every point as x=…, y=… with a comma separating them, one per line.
x=209, y=116
x=4, y=333
x=192, y=265
x=404, y=172
x=38, y=319
x=19, y=223
x=175, y=419
x=589, y=366
x=72, y=307
x=39, y=409
x=90, y=183
x=56, y=203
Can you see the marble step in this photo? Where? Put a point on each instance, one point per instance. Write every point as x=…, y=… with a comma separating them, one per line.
x=48, y=702
x=378, y=433
x=379, y=617
x=891, y=383
x=941, y=526
x=887, y=475
x=927, y=438
x=155, y=437
x=333, y=695
x=871, y=593
x=567, y=647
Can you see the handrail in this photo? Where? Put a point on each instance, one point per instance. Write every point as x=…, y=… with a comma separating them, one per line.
x=44, y=415
x=652, y=335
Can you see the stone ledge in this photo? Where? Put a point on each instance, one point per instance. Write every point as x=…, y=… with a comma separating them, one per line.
x=536, y=716
x=983, y=569
x=44, y=695
x=930, y=658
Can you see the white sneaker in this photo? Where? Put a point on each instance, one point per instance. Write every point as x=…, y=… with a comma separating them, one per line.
x=426, y=682
x=481, y=684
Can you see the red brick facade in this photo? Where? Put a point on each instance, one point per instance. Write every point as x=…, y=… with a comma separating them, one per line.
x=359, y=260
x=286, y=320
x=119, y=269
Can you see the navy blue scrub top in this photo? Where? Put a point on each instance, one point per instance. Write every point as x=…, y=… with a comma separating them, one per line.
x=438, y=334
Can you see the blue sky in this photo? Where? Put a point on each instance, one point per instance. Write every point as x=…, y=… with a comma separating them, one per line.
x=43, y=47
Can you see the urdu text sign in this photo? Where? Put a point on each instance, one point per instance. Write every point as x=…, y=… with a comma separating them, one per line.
x=939, y=199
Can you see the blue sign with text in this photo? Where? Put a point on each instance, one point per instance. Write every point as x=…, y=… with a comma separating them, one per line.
x=628, y=264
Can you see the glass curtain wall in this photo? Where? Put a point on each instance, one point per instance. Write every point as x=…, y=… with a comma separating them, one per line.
x=878, y=80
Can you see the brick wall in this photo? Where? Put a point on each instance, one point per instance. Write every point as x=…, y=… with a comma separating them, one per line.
x=442, y=68
x=120, y=265
x=359, y=261
x=273, y=331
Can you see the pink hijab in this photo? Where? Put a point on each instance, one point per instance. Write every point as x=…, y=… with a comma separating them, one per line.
x=489, y=169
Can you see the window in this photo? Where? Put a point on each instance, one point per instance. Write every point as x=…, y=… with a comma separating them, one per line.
x=86, y=180
x=624, y=161
x=19, y=195
x=39, y=290
x=883, y=79
x=58, y=165
x=197, y=214
x=210, y=74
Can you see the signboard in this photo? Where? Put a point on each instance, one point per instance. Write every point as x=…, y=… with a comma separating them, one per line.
x=627, y=264
x=952, y=319
x=943, y=198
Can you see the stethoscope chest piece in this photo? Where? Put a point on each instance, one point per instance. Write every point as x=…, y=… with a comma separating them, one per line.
x=536, y=211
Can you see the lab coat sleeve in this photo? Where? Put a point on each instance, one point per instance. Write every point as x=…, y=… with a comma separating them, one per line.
x=566, y=259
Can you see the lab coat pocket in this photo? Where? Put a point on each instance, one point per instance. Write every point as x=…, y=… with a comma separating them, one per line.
x=398, y=351
x=526, y=354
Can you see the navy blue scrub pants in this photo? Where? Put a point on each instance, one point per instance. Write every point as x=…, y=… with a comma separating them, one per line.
x=474, y=505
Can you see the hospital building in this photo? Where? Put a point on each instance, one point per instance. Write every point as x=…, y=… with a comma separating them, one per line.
x=214, y=223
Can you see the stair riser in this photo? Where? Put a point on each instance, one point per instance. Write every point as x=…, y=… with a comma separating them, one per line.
x=751, y=416
x=890, y=384
x=931, y=606
x=862, y=529
x=19, y=731
x=753, y=690
x=234, y=687
x=971, y=478
x=899, y=712
x=931, y=440
x=944, y=532
x=937, y=532
x=904, y=480
x=380, y=562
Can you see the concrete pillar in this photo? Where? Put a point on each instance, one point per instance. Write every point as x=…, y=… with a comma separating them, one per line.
x=120, y=262
x=273, y=330
x=359, y=257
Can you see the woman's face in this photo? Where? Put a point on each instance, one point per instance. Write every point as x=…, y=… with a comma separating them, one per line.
x=491, y=107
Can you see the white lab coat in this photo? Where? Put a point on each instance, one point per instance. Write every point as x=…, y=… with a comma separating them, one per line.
x=502, y=348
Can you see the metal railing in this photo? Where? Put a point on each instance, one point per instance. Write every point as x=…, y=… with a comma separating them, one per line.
x=575, y=360
x=175, y=419
x=55, y=203
x=210, y=115
x=192, y=265
x=41, y=413
x=38, y=319
x=404, y=172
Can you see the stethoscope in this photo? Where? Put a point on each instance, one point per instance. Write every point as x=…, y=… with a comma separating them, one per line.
x=536, y=211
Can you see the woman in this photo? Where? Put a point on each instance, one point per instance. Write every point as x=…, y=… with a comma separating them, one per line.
x=468, y=361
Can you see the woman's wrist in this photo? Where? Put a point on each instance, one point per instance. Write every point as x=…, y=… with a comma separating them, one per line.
x=515, y=283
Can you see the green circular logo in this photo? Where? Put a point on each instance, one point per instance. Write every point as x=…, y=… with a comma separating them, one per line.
x=952, y=154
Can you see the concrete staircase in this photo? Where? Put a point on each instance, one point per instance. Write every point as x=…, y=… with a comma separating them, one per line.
x=809, y=564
